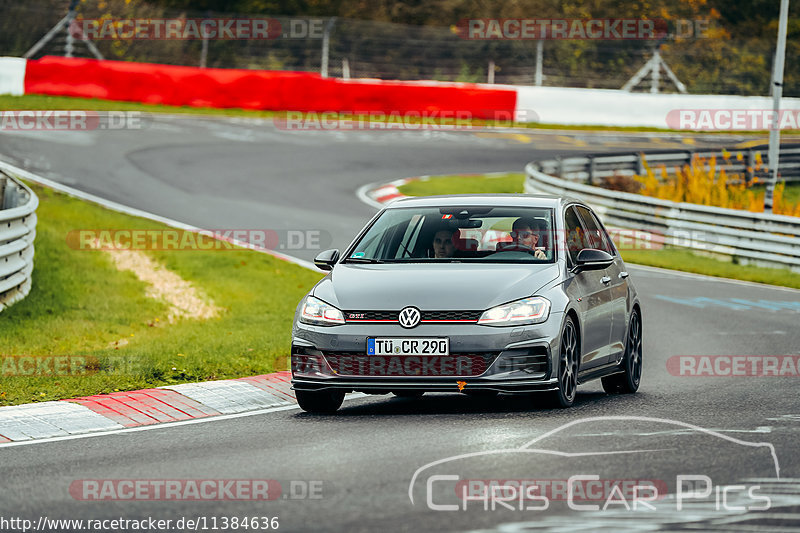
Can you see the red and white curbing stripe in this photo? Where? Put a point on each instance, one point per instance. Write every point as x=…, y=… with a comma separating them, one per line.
x=386, y=194
x=120, y=410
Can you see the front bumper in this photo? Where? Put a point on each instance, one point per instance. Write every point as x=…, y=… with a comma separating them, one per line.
x=508, y=359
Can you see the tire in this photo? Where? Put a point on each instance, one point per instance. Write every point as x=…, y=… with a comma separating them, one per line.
x=569, y=354
x=627, y=382
x=408, y=393
x=322, y=402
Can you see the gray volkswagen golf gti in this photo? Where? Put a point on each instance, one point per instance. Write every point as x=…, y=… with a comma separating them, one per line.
x=478, y=294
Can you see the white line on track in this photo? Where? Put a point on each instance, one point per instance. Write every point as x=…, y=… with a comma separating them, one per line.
x=154, y=426
x=168, y=425
x=138, y=212
x=678, y=273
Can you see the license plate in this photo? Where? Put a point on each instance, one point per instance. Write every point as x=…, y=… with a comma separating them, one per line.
x=408, y=346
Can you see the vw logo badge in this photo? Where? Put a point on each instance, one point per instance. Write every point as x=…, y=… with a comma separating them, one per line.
x=409, y=317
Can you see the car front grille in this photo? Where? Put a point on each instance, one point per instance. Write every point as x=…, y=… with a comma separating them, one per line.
x=455, y=365
x=459, y=317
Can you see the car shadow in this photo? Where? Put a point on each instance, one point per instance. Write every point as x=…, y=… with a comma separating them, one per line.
x=443, y=404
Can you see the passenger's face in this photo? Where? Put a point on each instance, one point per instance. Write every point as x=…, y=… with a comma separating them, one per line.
x=443, y=244
x=526, y=237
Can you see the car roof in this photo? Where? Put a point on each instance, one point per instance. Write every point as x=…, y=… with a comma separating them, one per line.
x=495, y=200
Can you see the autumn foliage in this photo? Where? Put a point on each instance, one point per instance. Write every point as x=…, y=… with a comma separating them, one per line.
x=704, y=181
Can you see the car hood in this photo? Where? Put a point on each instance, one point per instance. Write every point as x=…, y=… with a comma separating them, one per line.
x=450, y=286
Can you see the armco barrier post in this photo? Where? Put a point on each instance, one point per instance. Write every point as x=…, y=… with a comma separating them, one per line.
x=751, y=164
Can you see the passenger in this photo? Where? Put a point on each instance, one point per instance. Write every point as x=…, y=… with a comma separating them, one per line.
x=443, y=246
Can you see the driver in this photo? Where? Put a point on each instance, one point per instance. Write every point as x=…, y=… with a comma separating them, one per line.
x=525, y=233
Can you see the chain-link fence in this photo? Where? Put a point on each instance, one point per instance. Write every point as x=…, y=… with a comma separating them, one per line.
x=723, y=64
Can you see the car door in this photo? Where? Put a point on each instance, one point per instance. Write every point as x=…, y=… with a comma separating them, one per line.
x=615, y=278
x=590, y=294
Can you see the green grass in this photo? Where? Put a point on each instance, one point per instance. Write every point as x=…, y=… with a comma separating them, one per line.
x=465, y=184
x=685, y=260
x=791, y=193
x=672, y=258
x=80, y=305
x=35, y=101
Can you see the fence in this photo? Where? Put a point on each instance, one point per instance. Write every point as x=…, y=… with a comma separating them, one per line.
x=757, y=238
x=17, y=231
x=706, y=64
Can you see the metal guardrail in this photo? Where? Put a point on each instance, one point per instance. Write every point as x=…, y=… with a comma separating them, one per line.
x=591, y=168
x=749, y=238
x=17, y=231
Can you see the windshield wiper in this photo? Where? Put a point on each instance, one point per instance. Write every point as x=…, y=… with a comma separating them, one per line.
x=365, y=260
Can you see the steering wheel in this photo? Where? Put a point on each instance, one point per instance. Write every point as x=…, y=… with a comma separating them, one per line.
x=519, y=247
x=516, y=247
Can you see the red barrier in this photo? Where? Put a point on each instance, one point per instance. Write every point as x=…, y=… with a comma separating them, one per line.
x=258, y=89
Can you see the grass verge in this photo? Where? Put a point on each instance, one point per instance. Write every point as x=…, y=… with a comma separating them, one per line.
x=37, y=101
x=81, y=306
x=65, y=103
x=465, y=184
x=672, y=258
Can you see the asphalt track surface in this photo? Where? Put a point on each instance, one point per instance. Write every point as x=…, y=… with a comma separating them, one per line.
x=376, y=453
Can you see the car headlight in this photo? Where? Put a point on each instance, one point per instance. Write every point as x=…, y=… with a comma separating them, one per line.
x=317, y=312
x=526, y=311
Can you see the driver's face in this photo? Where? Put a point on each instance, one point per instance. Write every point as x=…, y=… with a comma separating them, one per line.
x=443, y=244
x=525, y=236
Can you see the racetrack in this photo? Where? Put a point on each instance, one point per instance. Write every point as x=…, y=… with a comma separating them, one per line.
x=216, y=174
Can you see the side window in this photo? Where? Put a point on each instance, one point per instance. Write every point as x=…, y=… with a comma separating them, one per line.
x=595, y=235
x=574, y=233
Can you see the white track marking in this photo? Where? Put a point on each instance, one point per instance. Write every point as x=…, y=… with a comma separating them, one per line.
x=137, y=212
x=168, y=425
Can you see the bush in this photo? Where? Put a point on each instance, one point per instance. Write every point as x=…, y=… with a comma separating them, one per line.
x=703, y=182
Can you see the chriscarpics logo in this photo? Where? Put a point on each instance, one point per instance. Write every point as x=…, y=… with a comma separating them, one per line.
x=600, y=469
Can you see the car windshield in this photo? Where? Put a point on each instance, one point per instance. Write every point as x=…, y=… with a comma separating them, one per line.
x=458, y=234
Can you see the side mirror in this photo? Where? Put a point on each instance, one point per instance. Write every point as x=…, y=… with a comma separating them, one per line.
x=325, y=260
x=592, y=259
